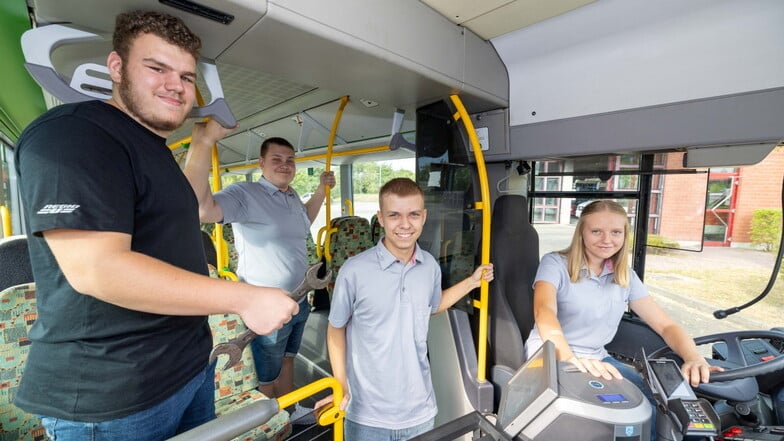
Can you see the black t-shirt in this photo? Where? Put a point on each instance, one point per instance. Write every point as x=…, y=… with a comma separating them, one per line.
x=89, y=166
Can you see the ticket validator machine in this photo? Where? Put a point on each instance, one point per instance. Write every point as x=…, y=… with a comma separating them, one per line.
x=681, y=413
x=547, y=400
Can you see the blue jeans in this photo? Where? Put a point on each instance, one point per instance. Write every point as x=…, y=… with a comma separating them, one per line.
x=191, y=406
x=269, y=350
x=357, y=432
x=636, y=379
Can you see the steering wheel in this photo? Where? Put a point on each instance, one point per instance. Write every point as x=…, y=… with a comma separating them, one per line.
x=735, y=354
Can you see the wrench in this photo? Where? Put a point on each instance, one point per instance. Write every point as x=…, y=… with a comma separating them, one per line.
x=234, y=347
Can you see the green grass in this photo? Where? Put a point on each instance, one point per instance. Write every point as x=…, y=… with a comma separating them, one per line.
x=723, y=288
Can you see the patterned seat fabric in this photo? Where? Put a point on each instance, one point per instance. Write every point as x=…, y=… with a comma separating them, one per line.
x=236, y=387
x=353, y=236
x=17, y=314
x=15, y=258
x=228, y=236
x=376, y=230
x=310, y=245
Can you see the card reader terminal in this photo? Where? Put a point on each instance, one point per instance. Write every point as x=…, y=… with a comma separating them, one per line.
x=692, y=416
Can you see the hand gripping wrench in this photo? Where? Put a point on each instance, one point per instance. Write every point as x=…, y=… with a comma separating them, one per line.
x=234, y=347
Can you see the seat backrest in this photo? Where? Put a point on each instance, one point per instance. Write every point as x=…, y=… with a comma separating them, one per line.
x=351, y=236
x=17, y=314
x=15, y=268
x=241, y=377
x=376, y=230
x=228, y=236
x=514, y=252
x=209, y=249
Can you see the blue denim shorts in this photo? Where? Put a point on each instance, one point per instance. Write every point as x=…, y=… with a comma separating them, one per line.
x=358, y=432
x=191, y=406
x=269, y=350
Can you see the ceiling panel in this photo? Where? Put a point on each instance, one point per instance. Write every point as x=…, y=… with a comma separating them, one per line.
x=492, y=18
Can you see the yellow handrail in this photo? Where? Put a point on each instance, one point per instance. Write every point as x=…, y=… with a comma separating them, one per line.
x=349, y=207
x=5, y=215
x=331, y=414
x=484, y=207
x=327, y=242
x=330, y=144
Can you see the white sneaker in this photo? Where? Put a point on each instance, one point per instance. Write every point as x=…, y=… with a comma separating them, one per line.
x=302, y=416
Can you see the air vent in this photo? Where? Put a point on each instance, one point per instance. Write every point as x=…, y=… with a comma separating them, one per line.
x=200, y=10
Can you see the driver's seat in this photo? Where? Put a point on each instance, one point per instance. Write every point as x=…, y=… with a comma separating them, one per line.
x=514, y=251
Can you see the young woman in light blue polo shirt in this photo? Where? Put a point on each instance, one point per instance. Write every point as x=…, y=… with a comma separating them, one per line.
x=581, y=293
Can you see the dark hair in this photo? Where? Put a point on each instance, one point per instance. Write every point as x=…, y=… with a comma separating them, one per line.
x=274, y=140
x=129, y=25
x=400, y=187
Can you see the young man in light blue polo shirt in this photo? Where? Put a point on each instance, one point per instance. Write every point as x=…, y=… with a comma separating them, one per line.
x=270, y=225
x=378, y=322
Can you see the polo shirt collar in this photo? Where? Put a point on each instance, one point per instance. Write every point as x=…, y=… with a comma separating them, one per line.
x=271, y=188
x=386, y=259
x=607, y=269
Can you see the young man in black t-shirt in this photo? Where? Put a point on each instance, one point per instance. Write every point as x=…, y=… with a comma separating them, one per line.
x=119, y=350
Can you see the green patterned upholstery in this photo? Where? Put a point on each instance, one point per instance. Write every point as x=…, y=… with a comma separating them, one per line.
x=228, y=236
x=236, y=387
x=351, y=238
x=376, y=230
x=17, y=314
x=310, y=245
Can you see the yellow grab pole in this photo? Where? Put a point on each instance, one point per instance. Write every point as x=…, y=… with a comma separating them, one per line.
x=221, y=249
x=484, y=206
x=330, y=144
x=331, y=414
x=5, y=215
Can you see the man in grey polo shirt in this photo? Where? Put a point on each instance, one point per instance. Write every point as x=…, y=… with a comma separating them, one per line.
x=378, y=321
x=270, y=225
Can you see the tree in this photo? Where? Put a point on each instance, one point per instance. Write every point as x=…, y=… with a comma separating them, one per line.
x=766, y=228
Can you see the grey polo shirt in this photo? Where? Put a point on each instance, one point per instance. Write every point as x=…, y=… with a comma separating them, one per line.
x=589, y=310
x=385, y=306
x=270, y=227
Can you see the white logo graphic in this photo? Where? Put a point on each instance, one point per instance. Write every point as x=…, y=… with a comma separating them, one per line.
x=58, y=208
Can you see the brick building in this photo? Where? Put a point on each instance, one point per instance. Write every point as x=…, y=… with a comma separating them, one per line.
x=733, y=196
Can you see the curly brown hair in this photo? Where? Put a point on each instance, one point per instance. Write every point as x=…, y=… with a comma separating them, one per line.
x=130, y=25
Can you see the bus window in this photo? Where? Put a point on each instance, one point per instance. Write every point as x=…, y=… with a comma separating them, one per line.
x=368, y=177
x=700, y=252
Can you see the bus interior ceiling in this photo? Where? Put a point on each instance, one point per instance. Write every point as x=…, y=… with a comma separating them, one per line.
x=285, y=65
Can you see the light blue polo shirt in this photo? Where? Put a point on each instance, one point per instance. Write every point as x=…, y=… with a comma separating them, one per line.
x=385, y=306
x=589, y=310
x=270, y=227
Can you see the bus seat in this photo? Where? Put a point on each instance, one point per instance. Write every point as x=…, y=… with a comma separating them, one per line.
x=514, y=252
x=237, y=386
x=209, y=249
x=376, y=230
x=310, y=246
x=353, y=236
x=16, y=268
x=228, y=236
x=17, y=314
